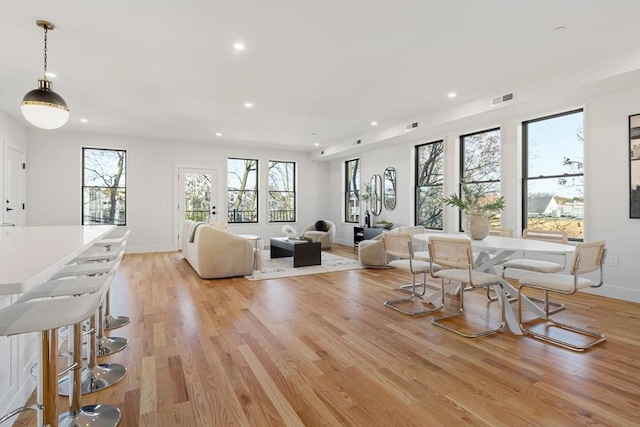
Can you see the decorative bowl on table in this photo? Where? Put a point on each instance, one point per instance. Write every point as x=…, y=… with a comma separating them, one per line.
x=383, y=224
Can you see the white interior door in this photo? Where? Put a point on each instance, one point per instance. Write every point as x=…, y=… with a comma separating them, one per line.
x=13, y=205
x=197, y=199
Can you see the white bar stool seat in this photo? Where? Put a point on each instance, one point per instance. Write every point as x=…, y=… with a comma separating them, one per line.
x=46, y=316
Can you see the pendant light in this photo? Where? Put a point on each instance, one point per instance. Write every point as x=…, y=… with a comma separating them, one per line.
x=43, y=107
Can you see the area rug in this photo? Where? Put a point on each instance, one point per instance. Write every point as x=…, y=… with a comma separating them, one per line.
x=283, y=267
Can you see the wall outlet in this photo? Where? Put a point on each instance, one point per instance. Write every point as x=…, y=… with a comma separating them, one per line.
x=613, y=261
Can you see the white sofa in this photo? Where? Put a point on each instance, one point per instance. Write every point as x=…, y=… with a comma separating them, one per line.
x=215, y=253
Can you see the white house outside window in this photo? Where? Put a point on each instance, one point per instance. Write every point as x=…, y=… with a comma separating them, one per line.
x=553, y=173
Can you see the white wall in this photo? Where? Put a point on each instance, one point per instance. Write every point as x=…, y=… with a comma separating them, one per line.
x=606, y=178
x=55, y=179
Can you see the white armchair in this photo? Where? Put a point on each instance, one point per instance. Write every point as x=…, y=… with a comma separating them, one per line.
x=321, y=231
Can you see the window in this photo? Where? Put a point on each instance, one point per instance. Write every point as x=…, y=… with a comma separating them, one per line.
x=351, y=191
x=242, y=190
x=480, y=165
x=282, y=191
x=429, y=184
x=553, y=176
x=104, y=186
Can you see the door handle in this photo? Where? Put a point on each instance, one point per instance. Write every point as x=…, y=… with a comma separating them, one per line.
x=9, y=209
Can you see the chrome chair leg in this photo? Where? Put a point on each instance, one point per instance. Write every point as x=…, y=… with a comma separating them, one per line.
x=440, y=320
x=108, y=345
x=90, y=415
x=599, y=336
x=112, y=322
x=95, y=376
x=394, y=303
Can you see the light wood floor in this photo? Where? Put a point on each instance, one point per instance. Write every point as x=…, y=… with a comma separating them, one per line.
x=323, y=350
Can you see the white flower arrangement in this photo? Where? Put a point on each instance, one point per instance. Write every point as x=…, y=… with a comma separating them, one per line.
x=289, y=231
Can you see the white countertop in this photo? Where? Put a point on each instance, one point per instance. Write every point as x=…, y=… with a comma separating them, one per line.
x=29, y=255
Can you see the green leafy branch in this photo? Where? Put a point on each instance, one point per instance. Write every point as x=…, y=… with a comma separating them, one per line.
x=475, y=200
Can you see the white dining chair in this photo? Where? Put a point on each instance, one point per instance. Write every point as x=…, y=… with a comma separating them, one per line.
x=398, y=250
x=540, y=266
x=588, y=258
x=455, y=257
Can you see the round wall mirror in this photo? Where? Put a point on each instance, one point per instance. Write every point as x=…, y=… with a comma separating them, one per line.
x=376, y=194
x=389, y=189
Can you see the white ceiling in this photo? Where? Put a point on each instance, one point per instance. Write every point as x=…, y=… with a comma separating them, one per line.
x=317, y=71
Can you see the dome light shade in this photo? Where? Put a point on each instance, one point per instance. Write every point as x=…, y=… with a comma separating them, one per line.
x=44, y=108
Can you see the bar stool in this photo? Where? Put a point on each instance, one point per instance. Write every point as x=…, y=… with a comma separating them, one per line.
x=96, y=376
x=98, y=254
x=46, y=316
x=115, y=238
x=106, y=345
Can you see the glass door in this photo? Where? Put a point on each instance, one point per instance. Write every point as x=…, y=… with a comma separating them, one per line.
x=197, y=198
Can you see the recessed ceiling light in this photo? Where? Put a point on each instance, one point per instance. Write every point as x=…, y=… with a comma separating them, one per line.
x=238, y=46
x=374, y=123
x=218, y=134
x=451, y=94
x=316, y=144
x=84, y=120
x=248, y=104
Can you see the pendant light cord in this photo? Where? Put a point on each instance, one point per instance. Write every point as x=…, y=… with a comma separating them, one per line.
x=45, y=52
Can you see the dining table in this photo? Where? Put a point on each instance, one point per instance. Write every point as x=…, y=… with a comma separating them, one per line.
x=490, y=252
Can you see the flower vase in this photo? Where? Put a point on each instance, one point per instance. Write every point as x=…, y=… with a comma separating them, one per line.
x=476, y=226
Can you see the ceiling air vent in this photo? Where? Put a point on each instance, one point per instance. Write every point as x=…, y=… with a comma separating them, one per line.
x=500, y=100
x=411, y=126
x=358, y=142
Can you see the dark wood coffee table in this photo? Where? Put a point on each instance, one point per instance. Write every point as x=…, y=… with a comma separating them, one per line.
x=304, y=253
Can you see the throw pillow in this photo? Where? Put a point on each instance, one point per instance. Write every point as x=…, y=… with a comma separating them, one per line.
x=220, y=225
x=321, y=226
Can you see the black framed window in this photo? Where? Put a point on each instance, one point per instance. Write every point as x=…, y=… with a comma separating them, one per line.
x=104, y=189
x=553, y=179
x=351, y=191
x=429, y=185
x=242, y=190
x=282, y=191
x=480, y=165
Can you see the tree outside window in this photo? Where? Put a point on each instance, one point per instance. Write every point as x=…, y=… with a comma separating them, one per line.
x=197, y=196
x=480, y=166
x=429, y=184
x=242, y=190
x=351, y=191
x=282, y=191
x=104, y=186
x=553, y=173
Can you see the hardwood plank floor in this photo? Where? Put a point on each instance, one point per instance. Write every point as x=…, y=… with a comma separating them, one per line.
x=323, y=351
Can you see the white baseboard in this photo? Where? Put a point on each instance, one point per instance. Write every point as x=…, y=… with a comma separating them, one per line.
x=150, y=249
